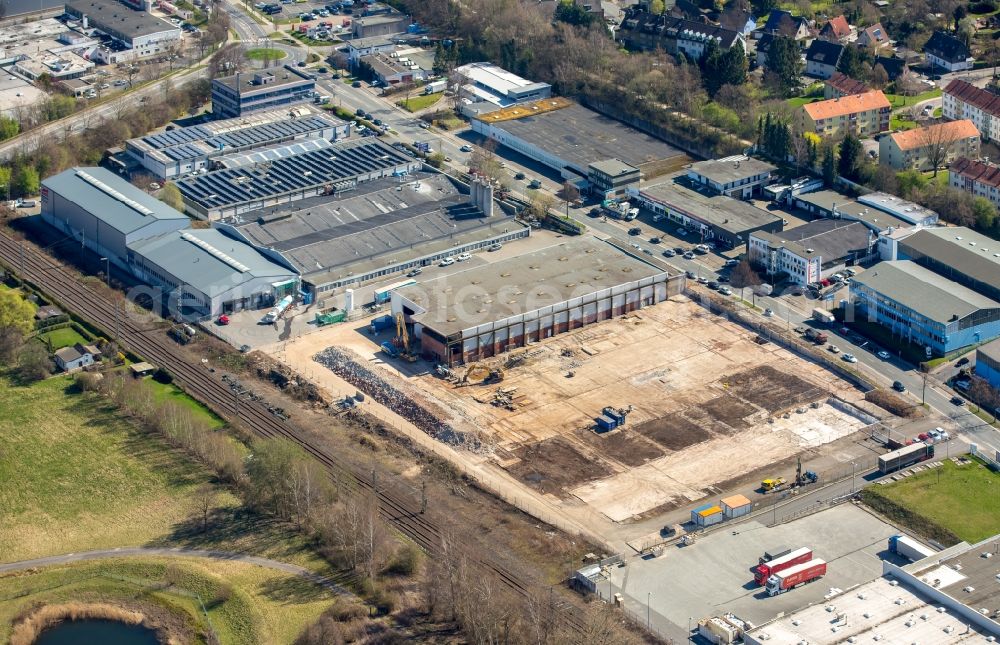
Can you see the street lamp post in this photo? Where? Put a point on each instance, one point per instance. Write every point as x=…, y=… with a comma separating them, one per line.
x=853, y=469
x=648, y=593
x=107, y=270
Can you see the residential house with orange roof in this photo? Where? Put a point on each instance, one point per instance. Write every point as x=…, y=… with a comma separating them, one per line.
x=865, y=115
x=914, y=148
x=874, y=37
x=837, y=30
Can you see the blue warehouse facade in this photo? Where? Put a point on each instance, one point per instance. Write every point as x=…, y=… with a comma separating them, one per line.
x=920, y=306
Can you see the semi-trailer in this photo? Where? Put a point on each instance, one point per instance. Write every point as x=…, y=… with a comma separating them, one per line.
x=909, y=548
x=905, y=456
x=795, y=576
x=763, y=572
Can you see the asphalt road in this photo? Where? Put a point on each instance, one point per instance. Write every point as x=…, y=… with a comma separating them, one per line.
x=175, y=552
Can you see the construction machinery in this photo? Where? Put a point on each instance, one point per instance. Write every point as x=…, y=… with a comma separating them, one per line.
x=801, y=479
x=484, y=374
x=403, y=339
x=769, y=485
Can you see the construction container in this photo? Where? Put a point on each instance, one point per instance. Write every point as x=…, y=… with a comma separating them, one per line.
x=382, y=322
x=735, y=506
x=614, y=414
x=606, y=423
x=707, y=515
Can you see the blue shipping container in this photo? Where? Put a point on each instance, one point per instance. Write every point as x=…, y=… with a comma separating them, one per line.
x=606, y=423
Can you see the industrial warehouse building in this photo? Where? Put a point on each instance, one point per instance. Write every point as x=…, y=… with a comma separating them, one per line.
x=207, y=273
x=958, y=253
x=135, y=34
x=341, y=167
x=919, y=306
x=487, y=310
x=949, y=597
x=712, y=217
x=173, y=153
x=806, y=254
x=104, y=212
x=568, y=137
x=737, y=176
x=240, y=94
x=382, y=227
x=199, y=272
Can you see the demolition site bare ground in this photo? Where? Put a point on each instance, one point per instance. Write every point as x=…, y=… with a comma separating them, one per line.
x=708, y=404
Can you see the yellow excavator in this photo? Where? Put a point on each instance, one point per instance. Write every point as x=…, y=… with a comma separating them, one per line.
x=403, y=338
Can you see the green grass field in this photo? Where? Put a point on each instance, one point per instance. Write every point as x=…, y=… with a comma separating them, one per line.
x=898, y=123
x=264, y=54
x=78, y=477
x=964, y=500
x=170, y=392
x=64, y=337
x=899, y=101
x=246, y=603
x=420, y=102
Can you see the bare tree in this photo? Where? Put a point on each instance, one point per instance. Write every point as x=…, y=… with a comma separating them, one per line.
x=205, y=498
x=984, y=395
x=131, y=71
x=744, y=276
x=937, y=142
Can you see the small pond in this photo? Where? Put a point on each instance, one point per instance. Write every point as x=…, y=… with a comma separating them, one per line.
x=97, y=632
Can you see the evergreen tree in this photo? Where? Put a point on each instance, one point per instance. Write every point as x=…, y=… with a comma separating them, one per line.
x=829, y=165
x=720, y=67
x=785, y=61
x=851, y=157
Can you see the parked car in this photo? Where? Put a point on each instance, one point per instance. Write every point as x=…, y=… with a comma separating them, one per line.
x=884, y=355
x=713, y=285
x=682, y=231
x=800, y=330
x=635, y=230
x=768, y=312
x=413, y=272
x=654, y=240
x=223, y=319
x=962, y=361
x=702, y=280
x=691, y=274
x=519, y=176
x=850, y=358
x=834, y=349
x=732, y=262
x=356, y=84
x=898, y=386
x=669, y=253
x=957, y=400
x=726, y=291
x=466, y=148
x=448, y=261
x=689, y=255
x=495, y=247
x=463, y=256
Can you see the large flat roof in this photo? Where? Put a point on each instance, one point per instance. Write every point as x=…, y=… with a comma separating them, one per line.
x=381, y=222
x=115, y=15
x=215, y=137
x=208, y=260
x=844, y=206
x=524, y=283
x=494, y=77
x=340, y=164
x=110, y=198
x=726, y=213
x=582, y=136
x=962, y=249
x=244, y=81
x=923, y=291
x=730, y=169
x=882, y=610
x=828, y=238
x=978, y=581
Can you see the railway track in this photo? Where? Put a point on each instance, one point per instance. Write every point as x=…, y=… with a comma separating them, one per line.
x=401, y=511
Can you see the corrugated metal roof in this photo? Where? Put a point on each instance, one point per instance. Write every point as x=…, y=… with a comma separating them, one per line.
x=735, y=501
x=208, y=260
x=923, y=291
x=111, y=199
x=711, y=510
x=964, y=250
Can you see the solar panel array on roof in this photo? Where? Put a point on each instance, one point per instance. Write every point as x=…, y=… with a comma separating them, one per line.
x=273, y=153
x=178, y=144
x=302, y=172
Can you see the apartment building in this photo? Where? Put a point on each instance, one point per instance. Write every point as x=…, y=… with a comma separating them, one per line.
x=914, y=148
x=980, y=178
x=865, y=115
x=963, y=100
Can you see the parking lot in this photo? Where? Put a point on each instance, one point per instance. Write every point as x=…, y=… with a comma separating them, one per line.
x=713, y=574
